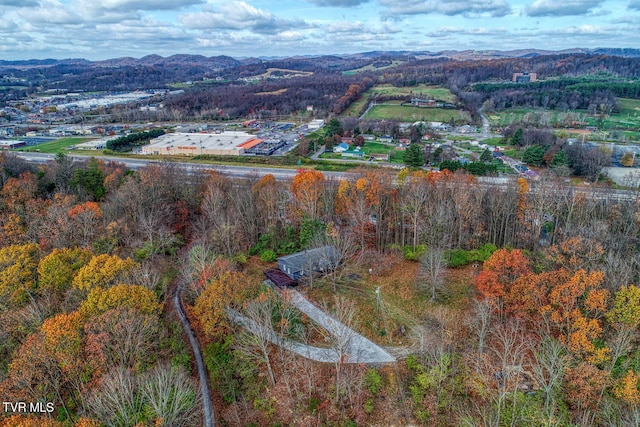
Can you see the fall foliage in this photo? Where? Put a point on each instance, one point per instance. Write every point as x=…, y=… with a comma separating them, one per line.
x=229, y=289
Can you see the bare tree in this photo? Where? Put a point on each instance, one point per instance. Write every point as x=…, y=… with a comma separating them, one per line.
x=431, y=271
x=508, y=350
x=124, y=337
x=342, y=335
x=335, y=260
x=256, y=341
x=121, y=398
x=171, y=395
x=548, y=370
x=480, y=323
x=115, y=403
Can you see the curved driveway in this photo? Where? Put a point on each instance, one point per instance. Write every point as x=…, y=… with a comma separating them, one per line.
x=357, y=349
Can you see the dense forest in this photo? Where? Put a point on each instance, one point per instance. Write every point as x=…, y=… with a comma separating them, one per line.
x=520, y=303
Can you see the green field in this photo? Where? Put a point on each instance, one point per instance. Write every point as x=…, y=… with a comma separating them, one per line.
x=421, y=91
x=371, y=67
x=629, y=107
x=56, y=146
x=407, y=113
x=628, y=119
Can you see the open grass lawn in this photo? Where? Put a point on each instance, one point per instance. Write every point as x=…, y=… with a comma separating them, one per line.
x=405, y=113
x=402, y=302
x=629, y=107
x=56, y=146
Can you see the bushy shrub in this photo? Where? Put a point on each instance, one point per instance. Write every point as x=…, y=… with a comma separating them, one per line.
x=268, y=256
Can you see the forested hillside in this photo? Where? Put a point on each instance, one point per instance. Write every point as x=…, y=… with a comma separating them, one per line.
x=504, y=305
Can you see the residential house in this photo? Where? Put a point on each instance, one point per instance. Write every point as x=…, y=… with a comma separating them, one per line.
x=340, y=148
x=310, y=262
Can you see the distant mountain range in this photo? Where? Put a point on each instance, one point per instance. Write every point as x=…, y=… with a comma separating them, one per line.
x=224, y=62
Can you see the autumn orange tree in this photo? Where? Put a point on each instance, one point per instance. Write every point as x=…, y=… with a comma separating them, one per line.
x=307, y=189
x=355, y=202
x=576, y=253
x=229, y=289
x=498, y=275
x=576, y=308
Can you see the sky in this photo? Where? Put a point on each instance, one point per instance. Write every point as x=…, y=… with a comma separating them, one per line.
x=103, y=29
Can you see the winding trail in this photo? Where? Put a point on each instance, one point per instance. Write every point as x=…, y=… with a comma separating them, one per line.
x=205, y=390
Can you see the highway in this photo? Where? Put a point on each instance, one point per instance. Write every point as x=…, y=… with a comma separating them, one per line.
x=228, y=170
x=281, y=174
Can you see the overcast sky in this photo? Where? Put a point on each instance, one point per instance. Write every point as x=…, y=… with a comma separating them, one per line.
x=101, y=29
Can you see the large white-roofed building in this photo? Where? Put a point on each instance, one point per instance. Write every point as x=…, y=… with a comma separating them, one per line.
x=192, y=144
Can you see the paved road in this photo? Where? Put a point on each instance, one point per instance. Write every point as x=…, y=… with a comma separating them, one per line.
x=357, y=348
x=486, y=125
x=233, y=171
x=287, y=174
x=205, y=391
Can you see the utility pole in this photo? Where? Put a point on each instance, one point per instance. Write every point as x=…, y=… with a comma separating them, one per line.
x=378, y=305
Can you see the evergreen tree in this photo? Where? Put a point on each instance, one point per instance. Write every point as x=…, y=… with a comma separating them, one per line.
x=560, y=159
x=518, y=137
x=534, y=155
x=414, y=156
x=486, y=156
x=334, y=127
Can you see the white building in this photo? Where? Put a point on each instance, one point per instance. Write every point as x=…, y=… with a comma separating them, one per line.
x=315, y=124
x=191, y=144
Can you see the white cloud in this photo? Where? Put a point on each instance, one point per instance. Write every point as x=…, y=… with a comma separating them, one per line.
x=562, y=7
x=338, y=3
x=496, y=8
x=239, y=15
x=128, y=5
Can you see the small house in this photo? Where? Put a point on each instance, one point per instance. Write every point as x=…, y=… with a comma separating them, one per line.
x=356, y=153
x=313, y=261
x=343, y=146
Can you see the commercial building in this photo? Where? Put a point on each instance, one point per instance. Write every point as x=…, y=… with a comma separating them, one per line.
x=315, y=124
x=525, y=77
x=192, y=144
x=8, y=144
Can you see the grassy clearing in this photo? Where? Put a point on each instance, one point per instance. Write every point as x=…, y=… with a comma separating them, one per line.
x=56, y=146
x=402, y=302
x=629, y=107
x=371, y=67
x=628, y=119
x=405, y=113
x=420, y=91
